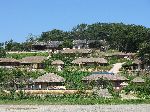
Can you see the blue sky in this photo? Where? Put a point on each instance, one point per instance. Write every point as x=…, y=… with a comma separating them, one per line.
x=18, y=18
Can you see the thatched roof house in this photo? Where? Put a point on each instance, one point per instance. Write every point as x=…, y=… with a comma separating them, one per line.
x=123, y=55
x=138, y=80
x=49, y=81
x=57, y=62
x=116, y=80
x=50, y=77
x=73, y=51
x=85, y=61
x=34, y=61
x=105, y=76
x=9, y=62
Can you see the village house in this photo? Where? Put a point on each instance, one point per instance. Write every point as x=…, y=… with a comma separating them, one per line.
x=81, y=52
x=33, y=62
x=85, y=44
x=90, y=61
x=50, y=46
x=54, y=46
x=49, y=81
x=9, y=62
x=79, y=44
x=116, y=80
x=39, y=46
x=124, y=55
x=138, y=65
x=58, y=64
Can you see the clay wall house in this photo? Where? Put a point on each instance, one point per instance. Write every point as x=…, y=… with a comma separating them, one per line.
x=49, y=81
x=90, y=61
x=9, y=62
x=124, y=55
x=35, y=62
x=81, y=52
x=116, y=80
x=138, y=65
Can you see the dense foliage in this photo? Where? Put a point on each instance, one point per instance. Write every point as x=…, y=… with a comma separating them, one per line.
x=13, y=79
x=123, y=37
x=120, y=36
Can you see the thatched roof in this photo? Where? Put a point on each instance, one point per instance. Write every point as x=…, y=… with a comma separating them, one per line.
x=124, y=54
x=50, y=77
x=57, y=62
x=33, y=59
x=138, y=80
x=6, y=60
x=73, y=51
x=105, y=76
x=89, y=60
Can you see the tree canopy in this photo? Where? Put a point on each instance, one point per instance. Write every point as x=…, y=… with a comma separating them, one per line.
x=119, y=36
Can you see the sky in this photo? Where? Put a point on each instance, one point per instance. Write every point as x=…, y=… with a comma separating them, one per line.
x=19, y=18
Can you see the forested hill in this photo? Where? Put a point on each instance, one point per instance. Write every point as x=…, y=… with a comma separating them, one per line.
x=127, y=38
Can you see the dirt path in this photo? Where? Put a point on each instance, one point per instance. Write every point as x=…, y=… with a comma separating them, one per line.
x=75, y=108
x=116, y=68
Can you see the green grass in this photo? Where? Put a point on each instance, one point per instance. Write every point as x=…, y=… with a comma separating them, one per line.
x=22, y=55
x=61, y=100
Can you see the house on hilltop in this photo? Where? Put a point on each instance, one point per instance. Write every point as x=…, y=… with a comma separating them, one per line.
x=90, y=61
x=39, y=46
x=79, y=44
x=50, y=45
x=81, y=52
